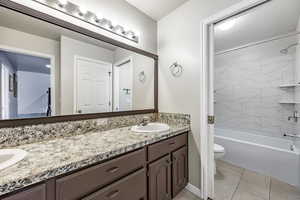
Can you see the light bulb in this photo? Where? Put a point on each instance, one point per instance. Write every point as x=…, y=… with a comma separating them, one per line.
x=119, y=29
x=62, y=3
x=82, y=10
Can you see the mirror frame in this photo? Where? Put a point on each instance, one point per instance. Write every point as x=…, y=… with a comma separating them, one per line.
x=67, y=25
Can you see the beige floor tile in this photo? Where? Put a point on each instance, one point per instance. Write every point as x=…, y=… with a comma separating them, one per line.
x=249, y=191
x=186, y=195
x=283, y=191
x=256, y=179
x=235, y=183
x=229, y=167
x=226, y=182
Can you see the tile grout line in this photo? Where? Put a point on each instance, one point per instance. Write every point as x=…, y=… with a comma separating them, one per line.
x=233, y=194
x=270, y=189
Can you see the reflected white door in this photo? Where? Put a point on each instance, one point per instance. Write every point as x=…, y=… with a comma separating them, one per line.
x=123, y=86
x=4, y=92
x=93, y=92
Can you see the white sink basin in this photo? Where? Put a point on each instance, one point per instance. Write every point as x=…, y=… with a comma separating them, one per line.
x=151, y=128
x=9, y=157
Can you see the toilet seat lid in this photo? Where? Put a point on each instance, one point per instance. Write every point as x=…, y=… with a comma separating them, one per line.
x=218, y=148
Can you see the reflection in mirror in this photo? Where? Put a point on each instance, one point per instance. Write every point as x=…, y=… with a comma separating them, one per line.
x=47, y=70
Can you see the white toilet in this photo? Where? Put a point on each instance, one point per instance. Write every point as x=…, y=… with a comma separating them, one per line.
x=219, y=152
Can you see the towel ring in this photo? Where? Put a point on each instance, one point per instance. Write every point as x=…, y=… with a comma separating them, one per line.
x=176, y=69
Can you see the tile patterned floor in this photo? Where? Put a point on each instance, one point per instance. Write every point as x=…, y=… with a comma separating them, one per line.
x=186, y=195
x=235, y=183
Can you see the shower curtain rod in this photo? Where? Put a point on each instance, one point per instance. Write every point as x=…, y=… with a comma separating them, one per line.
x=258, y=43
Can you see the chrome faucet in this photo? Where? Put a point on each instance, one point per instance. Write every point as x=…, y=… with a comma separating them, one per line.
x=294, y=117
x=145, y=121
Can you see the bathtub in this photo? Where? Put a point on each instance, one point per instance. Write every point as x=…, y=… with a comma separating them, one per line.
x=266, y=155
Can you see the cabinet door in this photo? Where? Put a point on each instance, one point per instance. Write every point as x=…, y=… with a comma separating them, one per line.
x=36, y=193
x=179, y=170
x=160, y=179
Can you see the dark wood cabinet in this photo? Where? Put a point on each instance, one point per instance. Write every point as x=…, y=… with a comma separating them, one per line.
x=179, y=170
x=133, y=187
x=160, y=179
x=84, y=182
x=156, y=172
x=35, y=193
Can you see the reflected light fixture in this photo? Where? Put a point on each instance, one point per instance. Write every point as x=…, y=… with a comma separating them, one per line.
x=48, y=66
x=226, y=25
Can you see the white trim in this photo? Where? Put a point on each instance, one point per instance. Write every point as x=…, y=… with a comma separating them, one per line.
x=193, y=189
x=117, y=64
x=53, y=78
x=206, y=89
x=258, y=42
x=76, y=58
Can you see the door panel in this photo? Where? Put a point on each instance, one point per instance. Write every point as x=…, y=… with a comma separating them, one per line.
x=179, y=170
x=93, y=86
x=160, y=179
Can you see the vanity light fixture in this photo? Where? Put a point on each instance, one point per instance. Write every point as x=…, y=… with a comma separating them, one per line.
x=80, y=12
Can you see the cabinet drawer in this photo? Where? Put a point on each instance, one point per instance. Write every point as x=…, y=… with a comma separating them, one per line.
x=133, y=187
x=89, y=180
x=164, y=147
x=36, y=193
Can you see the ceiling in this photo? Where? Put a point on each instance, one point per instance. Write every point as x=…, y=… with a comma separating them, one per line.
x=156, y=9
x=28, y=63
x=277, y=17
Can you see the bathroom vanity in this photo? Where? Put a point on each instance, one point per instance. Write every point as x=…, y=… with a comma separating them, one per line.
x=158, y=171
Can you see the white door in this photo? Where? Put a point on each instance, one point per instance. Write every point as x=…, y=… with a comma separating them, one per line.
x=93, y=91
x=4, y=92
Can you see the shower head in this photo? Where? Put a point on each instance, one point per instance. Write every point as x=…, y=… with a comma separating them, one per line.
x=286, y=50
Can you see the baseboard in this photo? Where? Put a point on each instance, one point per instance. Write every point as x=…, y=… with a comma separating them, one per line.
x=193, y=189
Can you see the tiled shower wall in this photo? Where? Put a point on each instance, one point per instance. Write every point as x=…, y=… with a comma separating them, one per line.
x=247, y=92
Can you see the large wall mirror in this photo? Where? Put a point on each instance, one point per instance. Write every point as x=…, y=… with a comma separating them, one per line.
x=48, y=70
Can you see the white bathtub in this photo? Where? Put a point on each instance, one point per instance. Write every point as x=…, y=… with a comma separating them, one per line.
x=267, y=155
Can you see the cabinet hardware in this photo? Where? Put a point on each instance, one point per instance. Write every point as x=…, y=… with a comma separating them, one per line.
x=113, y=169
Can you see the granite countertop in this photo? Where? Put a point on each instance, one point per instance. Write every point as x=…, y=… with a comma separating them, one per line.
x=51, y=158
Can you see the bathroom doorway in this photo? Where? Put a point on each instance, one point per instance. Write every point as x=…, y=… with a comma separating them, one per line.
x=250, y=80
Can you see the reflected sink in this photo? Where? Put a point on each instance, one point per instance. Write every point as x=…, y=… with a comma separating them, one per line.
x=9, y=157
x=151, y=128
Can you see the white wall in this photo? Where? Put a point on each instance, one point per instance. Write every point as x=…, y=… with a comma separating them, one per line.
x=247, y=89
x=69, y=49
x=32, y=92
x=143, y=92
x=119, y=11
x=179, y=39
x=32, y=43
x=12, y=101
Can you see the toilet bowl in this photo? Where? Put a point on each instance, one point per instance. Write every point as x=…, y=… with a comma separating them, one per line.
x=219, y=152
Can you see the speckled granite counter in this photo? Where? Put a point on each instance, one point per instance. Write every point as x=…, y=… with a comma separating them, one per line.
x=55, y=157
